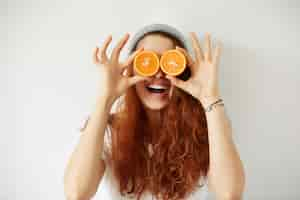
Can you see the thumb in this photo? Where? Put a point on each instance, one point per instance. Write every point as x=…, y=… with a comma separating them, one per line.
x=135, y=79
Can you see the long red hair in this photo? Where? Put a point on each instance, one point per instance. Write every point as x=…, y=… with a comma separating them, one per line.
x=180, y=147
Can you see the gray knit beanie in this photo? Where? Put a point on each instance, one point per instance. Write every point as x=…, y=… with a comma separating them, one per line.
x=157, y=27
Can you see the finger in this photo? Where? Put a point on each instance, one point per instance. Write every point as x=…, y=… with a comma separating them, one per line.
x=128, y=71
x=189, y=58
x=190, y=61
x=95, y=57
x=207, y=47
x=217, y=54
x=116, y=51
x=101, y=55
x=135, y=79
x=177, y=82
x=131, y=58
x=197, y=47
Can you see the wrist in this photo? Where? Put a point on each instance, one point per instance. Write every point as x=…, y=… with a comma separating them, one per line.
x=209, y=103
x=208, y=100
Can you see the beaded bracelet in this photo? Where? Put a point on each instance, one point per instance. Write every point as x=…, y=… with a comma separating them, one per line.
x=210, y=107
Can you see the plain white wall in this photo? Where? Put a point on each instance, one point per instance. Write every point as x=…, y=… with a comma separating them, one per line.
x=49, y=84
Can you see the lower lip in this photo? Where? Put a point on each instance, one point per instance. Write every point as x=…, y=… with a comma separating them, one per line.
x=166, y=92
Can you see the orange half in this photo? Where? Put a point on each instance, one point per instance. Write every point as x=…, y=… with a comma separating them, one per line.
x=173, y=62
x=146, y=63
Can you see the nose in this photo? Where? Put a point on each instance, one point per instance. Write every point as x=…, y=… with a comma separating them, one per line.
x=159, y=74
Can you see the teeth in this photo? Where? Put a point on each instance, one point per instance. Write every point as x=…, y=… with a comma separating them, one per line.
x=157, y=86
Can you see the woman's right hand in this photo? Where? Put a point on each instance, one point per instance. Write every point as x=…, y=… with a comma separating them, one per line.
x=113, y=82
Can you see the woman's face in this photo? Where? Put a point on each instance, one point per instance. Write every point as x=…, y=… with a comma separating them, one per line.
x=156, y=93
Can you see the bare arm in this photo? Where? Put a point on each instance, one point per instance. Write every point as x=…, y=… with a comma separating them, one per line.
x=226, y=173
x=85, y=169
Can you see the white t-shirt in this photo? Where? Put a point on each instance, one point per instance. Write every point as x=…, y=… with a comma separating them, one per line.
x=108, y=187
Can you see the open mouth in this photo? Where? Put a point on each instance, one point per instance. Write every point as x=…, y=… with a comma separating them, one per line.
x=157, y=88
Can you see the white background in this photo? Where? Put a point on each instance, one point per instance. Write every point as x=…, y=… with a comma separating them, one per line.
x=49, y=84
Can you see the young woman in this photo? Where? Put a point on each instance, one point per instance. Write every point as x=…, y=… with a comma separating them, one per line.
x=170, y=137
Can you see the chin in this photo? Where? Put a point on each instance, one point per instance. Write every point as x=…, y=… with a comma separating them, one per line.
x=155, y=105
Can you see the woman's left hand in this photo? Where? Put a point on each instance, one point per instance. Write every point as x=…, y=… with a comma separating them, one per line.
x=203, y=83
